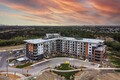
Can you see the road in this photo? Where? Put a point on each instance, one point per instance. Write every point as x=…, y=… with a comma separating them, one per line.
x=42, y=66
x=57, y=61
x=3, y=62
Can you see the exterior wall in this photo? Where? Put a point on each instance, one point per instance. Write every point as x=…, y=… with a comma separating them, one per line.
x=82, y=49
x=71, y=47
x=40, y=49
x=91, y=48
x=86, y=48
x=99, y=56
x=32, y=52
x=30, y=47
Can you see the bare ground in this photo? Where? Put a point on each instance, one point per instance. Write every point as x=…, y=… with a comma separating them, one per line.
x=9, y=48
x=11, y=76
x=100, y=75
x=49, y=76
x=86, y=75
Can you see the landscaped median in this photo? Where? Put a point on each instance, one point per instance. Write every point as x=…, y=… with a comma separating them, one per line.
x=66, y=70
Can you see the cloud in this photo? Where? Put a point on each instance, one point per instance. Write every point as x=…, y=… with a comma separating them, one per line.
x=67, y=11
x=42, y=7
x=108, y=6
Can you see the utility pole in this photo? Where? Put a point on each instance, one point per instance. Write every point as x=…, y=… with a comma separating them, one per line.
x=27, y=72
x=7, y=65
x=22, y=71
x=15, y=75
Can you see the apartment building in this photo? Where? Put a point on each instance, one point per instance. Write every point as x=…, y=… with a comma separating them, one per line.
x=91, y=49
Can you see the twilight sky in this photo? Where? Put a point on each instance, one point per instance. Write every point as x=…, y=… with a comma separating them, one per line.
x=55, y=12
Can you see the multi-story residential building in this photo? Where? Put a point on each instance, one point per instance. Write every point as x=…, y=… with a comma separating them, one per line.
x=91, y=49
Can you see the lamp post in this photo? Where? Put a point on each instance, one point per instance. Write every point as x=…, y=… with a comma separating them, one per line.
x=27, y=72
x=7, y=65
x=22, y=71
x=14, y=74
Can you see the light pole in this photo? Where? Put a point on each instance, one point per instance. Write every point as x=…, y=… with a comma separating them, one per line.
x=27, y=72
x=14, y=74
x=7, y=65
x=22, y=71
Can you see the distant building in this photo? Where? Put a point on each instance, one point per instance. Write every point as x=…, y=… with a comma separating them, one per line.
x=91, y=49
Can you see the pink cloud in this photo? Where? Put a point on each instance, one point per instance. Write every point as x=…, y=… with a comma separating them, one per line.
x=108, y=6
x=67, y=11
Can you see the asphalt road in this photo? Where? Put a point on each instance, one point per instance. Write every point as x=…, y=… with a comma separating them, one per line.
x=3, y=62
x=36, y=69
x=39, y=67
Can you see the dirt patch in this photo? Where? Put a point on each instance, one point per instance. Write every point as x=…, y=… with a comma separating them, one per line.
x=109, y=76
x=100, y=75
x=49, y=75
x=11, y=76
x=9, y=48
x=84, y=75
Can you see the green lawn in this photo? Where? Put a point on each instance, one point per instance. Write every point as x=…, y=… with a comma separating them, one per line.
x=67, y=75
x=24, y=65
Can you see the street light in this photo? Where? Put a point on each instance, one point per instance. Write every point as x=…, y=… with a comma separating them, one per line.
x=27, y=72
x=7, y=65
x=15, y=75
x=22, y=71
x=7, y=69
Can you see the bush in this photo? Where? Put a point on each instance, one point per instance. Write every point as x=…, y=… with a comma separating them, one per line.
x=67, y=75
x=24, y=65
x=114, y=44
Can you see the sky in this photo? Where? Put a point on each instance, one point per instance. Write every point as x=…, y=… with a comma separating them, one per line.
x=59, y=12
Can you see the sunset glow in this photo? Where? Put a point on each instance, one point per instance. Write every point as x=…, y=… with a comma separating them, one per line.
x=64, y=12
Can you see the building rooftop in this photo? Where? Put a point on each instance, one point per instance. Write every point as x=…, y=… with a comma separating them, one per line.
x=36, y=41
x=84, y=40
x=101, y=48
x=92, y=40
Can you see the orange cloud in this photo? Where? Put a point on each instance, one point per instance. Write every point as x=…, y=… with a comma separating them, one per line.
x=66, y=11
x=108, y=6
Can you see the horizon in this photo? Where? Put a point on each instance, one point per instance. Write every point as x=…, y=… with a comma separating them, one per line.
x=59, y=12
x=81, y=25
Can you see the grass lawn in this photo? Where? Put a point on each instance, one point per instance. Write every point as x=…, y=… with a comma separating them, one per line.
x=67, y=75
x=24, y=65
x=115, y=58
